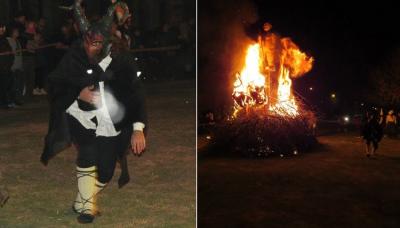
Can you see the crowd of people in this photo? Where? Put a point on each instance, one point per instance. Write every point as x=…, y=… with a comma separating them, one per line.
x=29, y=51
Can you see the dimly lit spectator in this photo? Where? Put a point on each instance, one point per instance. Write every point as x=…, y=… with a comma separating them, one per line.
x=169, y=35
x=391, y=122
x=137, y=39
x=17, y=68
x=381, y=118
x=29, y=57
x=42, y=28
x=127, y=30
x=30, y=27
x=118, y=40
x=6, y=78
x=67, y=37
x=40, y=64
x=19, y=23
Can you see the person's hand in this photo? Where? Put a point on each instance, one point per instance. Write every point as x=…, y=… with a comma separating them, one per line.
x=138, y=142
x=89, y=96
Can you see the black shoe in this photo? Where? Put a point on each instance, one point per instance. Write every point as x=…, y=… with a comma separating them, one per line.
x=85, y=218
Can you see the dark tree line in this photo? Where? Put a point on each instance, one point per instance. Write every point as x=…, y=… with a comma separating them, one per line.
x=384, y=81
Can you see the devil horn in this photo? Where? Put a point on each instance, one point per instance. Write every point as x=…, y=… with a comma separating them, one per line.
x=80, y=17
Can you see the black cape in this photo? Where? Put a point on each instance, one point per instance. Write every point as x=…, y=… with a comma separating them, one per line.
x=65, y=84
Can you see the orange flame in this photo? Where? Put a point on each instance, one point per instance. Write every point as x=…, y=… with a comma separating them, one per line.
x=249, y=85
x=254, y=85
x=286, y=104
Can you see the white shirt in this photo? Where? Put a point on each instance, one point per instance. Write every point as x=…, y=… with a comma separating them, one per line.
x=105, y=126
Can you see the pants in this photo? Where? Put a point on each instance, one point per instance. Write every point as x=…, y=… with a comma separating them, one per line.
x=374, y=143
x=40, y=77
x=19, y=85
x=7, y=92
x=29, y=70
x=95, y=151
x=391, y=129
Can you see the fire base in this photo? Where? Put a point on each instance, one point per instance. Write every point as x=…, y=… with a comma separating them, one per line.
x=256, y=133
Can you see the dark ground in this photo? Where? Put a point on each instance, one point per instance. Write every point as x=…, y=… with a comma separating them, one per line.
x=163, y=181
x=334, y=186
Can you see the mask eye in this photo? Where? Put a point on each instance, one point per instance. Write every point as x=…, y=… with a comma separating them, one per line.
x=97, y=43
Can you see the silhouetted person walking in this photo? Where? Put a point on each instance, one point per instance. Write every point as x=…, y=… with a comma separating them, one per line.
x=372, y=133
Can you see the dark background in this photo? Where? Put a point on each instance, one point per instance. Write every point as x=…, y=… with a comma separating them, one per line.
x=148, y=17
x=347, y=42
x=148, y=14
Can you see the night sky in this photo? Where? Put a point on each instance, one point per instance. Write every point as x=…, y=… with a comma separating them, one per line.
x=347, y=42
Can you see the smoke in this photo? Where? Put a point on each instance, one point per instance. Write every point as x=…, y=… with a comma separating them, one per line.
x=222, y=44
x=115, y=108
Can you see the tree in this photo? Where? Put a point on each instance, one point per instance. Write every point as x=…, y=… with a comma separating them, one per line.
x=385, y=82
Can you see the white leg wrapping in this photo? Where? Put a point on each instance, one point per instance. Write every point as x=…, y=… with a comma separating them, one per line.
x=88, y=188
x=85, y=201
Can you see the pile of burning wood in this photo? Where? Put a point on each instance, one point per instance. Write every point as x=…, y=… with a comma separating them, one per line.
x=267, y=117
x=257, y=133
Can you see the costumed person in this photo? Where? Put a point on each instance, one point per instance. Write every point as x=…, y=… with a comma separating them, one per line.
x=97, y=104
x=391, y=122
x=372, y=133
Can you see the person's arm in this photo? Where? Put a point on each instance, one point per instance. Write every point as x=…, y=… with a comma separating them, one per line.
x=136, y=107
x=139, y=119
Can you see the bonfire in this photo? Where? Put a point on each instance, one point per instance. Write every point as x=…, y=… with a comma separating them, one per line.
x=267, y=117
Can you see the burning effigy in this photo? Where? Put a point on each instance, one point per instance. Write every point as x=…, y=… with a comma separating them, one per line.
x=267, y=117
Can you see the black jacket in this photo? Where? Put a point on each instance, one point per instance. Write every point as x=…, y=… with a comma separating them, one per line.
x=70, y=77
x=372, y=130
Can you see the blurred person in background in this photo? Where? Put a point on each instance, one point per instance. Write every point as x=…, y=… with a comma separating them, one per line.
x=6, y=61
x=17, y=69
x=19, y=23
x=40, y=63
x=371, y=133
x=391, y=122
x=29, y=57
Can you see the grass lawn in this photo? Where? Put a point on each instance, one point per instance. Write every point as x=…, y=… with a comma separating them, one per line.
x=163, y=181
x=335, y=186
